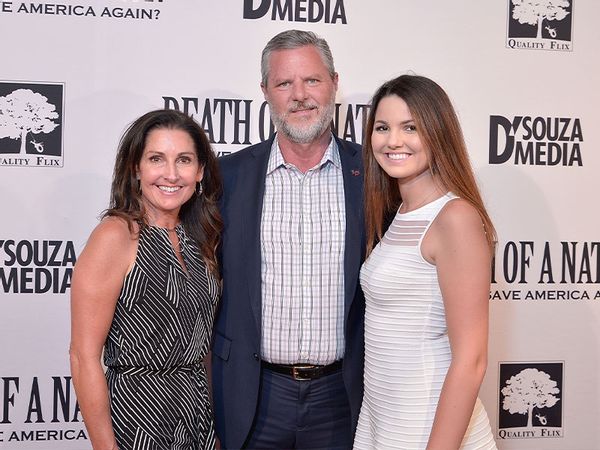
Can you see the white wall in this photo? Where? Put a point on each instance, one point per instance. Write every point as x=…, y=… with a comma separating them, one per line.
x=110, y=70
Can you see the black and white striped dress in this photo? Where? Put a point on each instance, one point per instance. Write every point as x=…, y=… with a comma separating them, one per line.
x=160, y=333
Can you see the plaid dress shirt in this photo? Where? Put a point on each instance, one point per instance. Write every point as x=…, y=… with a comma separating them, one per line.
x=302, y=272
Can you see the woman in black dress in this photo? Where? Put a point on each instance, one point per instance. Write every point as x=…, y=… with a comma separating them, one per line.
x=145, y=289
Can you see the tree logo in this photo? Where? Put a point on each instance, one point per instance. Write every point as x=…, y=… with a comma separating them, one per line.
x=540, y=24
x=31, y=124
x=530, y=400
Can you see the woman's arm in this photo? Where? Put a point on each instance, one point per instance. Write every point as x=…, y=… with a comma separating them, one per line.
x=97, y=280
x=458, y=247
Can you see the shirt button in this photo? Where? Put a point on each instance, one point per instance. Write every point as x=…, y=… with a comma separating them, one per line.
x=255, y=356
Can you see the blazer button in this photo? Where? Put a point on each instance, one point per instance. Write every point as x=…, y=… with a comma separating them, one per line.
x=255, y=356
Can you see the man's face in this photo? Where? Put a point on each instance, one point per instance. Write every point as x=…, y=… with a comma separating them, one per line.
x=301, y=93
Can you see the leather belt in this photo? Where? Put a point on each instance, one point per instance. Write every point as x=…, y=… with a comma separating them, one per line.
x=303, y=372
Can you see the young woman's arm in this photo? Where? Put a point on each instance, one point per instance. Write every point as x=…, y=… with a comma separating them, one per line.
x=457, y=245
x=97, y=280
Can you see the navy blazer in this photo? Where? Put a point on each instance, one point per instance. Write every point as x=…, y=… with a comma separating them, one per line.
x=237, y=332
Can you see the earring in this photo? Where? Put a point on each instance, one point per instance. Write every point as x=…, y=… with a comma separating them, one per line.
x=198, y=189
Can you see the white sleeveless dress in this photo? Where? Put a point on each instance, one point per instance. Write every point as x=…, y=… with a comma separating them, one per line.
x=407, y=352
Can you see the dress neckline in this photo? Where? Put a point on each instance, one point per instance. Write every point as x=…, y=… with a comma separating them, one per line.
x=177, y=227
x=448, y=195
x=183, y=247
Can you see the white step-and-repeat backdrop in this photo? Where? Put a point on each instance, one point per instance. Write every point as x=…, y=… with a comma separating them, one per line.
x=523, y=75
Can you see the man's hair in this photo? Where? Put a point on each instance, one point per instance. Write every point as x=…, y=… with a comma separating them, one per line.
x=291, y=39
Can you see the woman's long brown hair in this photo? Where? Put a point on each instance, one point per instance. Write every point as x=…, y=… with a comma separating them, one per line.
x=440, y=133
x=200, y=214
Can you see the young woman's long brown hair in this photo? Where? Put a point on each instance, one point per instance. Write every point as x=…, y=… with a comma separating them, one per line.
x=441, y=134
x=200, y=214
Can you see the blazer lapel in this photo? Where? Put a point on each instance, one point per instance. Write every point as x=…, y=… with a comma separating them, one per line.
x=354, y=240
x=251, y=204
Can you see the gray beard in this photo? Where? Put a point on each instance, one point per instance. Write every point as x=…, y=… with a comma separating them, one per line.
x=307, y=134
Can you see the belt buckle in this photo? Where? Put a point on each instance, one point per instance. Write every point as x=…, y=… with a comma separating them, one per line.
x=297, y=372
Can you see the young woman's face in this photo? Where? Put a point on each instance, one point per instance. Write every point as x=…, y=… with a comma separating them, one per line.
x=395, y=141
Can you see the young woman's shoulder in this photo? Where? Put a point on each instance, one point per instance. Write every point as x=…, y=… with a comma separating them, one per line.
x=458, y=215
x=456, y=228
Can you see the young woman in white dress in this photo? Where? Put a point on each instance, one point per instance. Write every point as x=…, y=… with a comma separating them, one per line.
x=426, y=280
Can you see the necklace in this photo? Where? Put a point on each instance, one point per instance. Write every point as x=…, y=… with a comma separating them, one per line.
x=174, y=240
x=171, y=230
x=429, y=197
x=176, y=244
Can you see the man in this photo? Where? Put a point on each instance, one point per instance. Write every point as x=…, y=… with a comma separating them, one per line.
x=288, y=340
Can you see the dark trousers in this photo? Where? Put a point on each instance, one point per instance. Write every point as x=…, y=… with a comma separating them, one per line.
x=294, y=414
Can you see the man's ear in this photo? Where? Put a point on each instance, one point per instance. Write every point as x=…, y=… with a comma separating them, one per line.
x=263, y=87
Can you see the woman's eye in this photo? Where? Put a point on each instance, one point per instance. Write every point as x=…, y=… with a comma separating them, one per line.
x=381, y=128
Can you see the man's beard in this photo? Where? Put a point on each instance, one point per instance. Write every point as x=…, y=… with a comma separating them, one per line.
x=307, y=133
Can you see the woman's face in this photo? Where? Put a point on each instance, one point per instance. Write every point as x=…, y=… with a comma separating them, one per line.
x=168, y=172
x=395, y=141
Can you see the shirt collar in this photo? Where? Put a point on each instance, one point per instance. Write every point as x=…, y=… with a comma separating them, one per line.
x=276, y=159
